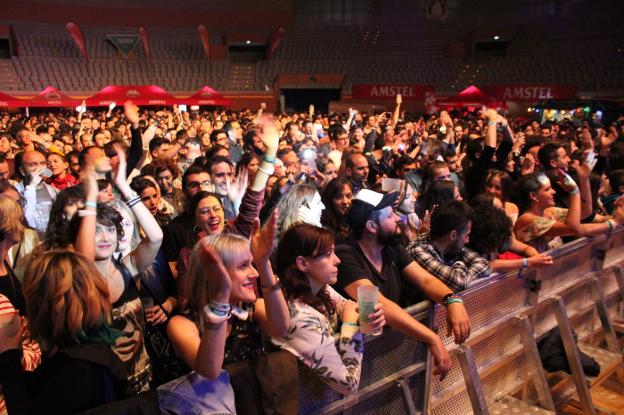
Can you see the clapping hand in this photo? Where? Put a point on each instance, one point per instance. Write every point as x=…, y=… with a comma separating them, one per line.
x=262, y=239
x=217, y=276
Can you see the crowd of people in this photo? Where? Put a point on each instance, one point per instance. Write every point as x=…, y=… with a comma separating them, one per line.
x=181, y=260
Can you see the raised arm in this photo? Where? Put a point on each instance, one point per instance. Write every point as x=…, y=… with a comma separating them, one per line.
x=144, y=254
x=272, y=311
x=397, y=111
x=85, y=241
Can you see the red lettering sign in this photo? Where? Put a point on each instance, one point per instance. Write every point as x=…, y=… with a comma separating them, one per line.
x=529, y=93
x=390, y=91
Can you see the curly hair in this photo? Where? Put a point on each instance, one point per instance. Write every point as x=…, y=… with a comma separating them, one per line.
x=307, y=241
x=491, y=230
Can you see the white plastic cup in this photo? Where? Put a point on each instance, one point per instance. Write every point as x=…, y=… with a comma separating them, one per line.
x=9, y=324
x=367, y=300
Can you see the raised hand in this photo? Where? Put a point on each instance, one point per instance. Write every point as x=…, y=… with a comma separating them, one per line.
x=119, y=175
x=270, y=136
x=566, y=182
x=217, y=276
x=132, y=113
x=261, y=244
x=237, y=187
x=89, y=181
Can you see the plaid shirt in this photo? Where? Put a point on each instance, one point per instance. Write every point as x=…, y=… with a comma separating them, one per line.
x=458, y=272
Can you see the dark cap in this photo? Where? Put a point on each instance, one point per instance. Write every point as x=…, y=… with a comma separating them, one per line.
x=365, y=203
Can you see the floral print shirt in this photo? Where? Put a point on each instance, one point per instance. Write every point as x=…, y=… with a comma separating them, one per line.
x=310, y=337
x=532, y=234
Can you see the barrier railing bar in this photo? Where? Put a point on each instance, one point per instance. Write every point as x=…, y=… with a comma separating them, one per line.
x=534, y=363
x=609, y=332
x=486, y=330
x=372, y=389
x=485, y=371
x=572, y=354
x=407, y=395
x=619, y=277
x=471, y=378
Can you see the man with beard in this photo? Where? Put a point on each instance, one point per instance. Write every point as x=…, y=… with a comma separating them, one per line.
x=444, y=253
x=374, y=257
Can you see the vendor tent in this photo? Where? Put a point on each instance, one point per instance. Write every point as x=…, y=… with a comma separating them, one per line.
x=138, y=94
x=469, y=97
x=207, y=96
x=7, y=100
x=51, y=97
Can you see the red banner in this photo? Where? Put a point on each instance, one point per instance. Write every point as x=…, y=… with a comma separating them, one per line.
x=204, y=37
x=390, y=91
x=524, y=92
x=145, y=40
x=76, y=34
x=274, y=42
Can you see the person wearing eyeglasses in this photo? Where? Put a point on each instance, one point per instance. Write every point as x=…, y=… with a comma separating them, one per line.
x=208, y=212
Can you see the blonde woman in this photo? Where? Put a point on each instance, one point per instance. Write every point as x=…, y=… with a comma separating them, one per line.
x=68, y=312
x=224, y=319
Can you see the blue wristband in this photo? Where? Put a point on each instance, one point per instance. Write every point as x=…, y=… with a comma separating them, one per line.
x=269, y=159
x=90, y=204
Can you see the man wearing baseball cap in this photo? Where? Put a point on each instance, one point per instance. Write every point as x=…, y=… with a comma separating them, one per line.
x=374, y=256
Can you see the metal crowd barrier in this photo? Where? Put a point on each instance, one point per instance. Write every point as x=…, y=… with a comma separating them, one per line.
x=499, y=370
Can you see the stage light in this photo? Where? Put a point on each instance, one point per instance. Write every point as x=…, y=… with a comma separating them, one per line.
x=496, y=37
x=248, y=42
x=537, y=110
x=599, y=113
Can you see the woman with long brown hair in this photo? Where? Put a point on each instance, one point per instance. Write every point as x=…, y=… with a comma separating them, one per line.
x=307, y=264
x=68, y=311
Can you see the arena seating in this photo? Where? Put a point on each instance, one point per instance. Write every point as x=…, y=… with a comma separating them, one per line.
x=561, y=55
